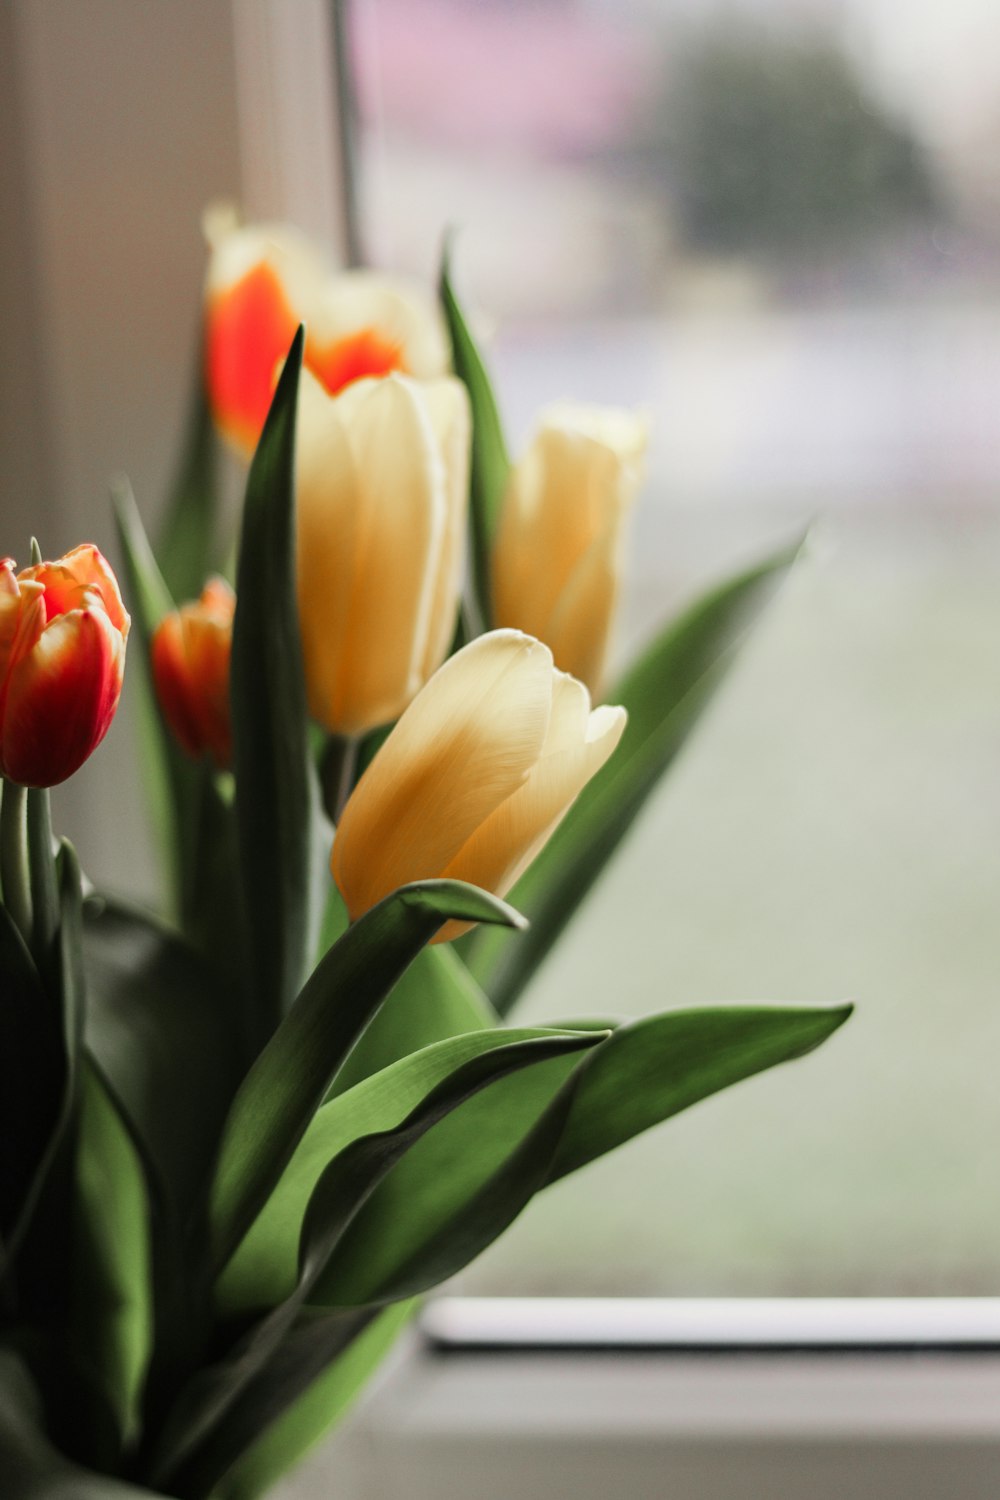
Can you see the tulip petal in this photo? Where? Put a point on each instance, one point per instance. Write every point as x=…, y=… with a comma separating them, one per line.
x=61, y=698
x=448, y=407
x=577, y=744
x=579, y=629
x=466, y=742
x=398, y=529
x=326, y=522
x=261, y=282
x=363, y=323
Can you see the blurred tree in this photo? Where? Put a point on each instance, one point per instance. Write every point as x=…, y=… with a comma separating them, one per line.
x=775, y=144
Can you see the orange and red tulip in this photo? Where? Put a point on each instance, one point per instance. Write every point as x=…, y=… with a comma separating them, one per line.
x=191, y=649
x=263, y=280
x=63, y=629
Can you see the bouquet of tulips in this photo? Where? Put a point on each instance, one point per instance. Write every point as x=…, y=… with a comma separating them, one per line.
x=240, y=1139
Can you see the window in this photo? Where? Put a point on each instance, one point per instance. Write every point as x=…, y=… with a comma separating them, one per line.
x=771, y=225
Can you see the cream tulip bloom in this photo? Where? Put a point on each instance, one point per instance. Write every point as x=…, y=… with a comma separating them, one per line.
x=382, y=485
x=475, y=777
x=557, y=557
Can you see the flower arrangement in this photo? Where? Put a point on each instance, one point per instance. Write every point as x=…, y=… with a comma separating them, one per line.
x=240, y=1140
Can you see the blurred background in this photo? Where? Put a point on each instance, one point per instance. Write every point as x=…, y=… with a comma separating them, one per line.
x=774, y=224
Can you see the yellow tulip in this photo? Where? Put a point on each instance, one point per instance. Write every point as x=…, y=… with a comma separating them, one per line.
x=475, y=777
x=265, y=279
x=382, y=486
x=557, y=559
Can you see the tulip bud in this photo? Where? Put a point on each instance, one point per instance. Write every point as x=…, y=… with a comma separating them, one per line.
x=262, y=282
x=63, y=629
x=190, y=654
x=475, y=777
x=382, y=485
x=557, y=558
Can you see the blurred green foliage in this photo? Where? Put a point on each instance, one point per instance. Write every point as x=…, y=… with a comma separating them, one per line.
x=775, y=143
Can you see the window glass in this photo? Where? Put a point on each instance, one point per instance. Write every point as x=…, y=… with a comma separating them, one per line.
x=776, y=226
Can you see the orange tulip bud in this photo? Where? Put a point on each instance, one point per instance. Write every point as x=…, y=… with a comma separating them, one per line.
x=190, y=657
x=557, y=559
x=265, y=280
x=63, y=629
x=475, y=777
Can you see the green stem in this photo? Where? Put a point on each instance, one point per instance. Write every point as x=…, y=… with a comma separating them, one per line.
x=14, y=857
x=337, y=775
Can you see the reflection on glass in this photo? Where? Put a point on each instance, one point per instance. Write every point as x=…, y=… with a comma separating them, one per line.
x=776, y=227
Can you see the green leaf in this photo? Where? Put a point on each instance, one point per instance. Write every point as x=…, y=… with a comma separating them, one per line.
x=290, y=1078
x=161, y=1028
x=665, y=692
x=186, y=542
x=276, y=795
x=171, y=779
x=265, y=1267
x=318, y=1340
x=315, y=1412
x=433, y=1207
x=342, y=1190
x=33, y=1083
x=652, y=1069
x=437, y=997
x=113, y=1307
x=31, y=1467
x=490, y=464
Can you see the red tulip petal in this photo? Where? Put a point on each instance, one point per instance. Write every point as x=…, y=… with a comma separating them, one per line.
x=250, y=326
x=61, y=698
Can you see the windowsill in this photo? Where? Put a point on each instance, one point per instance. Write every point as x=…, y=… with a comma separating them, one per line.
x=710, y=1400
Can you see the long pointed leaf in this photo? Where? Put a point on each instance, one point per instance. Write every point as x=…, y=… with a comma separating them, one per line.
x=276, y=797
x=289, y=1080
x=665, y=693
x=436, y=998
x=113, y=1304
x=186, y=542
x=312, y=1415
x=656, y=1067
x=490, y=464
x=337, y=1200
x=264, y=1269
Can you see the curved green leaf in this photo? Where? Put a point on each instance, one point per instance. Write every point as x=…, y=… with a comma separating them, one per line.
x=304, y=1421
x=291, y=1076
x=113, y=1299
x=264, y=1269
x=665, y=693
x=277, y=800
x=33, y=1082
x=490, y=464
x=161, y=1029
x=436, y=998
x=187, y=539
x=652, y=1069
x=31, y=1467
x=343, y=1188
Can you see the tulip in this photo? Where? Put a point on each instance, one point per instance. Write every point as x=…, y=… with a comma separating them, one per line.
x=265, y=280
x=190, y=655
x=557, y=558
x=382, y=484
x=63, y=629
x=475, y=777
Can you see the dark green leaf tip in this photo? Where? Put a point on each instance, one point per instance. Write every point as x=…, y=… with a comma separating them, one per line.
x=461, y=902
